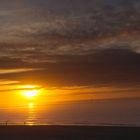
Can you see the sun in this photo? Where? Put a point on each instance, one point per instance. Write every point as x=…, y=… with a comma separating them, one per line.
x=30, y=93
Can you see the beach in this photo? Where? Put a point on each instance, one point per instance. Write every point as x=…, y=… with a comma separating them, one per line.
x=69, y=133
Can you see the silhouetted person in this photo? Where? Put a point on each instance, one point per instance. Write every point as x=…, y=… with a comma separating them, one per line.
x=6, y=123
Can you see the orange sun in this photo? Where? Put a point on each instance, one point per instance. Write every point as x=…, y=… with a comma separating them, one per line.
x=30, y=91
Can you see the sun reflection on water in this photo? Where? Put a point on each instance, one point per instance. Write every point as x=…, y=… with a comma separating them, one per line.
x=31, y=118
x=31, y=105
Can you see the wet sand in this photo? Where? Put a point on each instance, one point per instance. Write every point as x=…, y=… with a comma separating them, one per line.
x=69, y=133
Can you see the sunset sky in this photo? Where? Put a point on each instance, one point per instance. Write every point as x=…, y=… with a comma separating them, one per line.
x=70, y=50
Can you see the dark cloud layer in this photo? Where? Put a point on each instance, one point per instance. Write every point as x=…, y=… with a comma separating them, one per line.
x=110, y=67
x=68, y=42
x=95, y=16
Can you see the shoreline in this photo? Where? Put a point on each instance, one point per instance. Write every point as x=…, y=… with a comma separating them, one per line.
x=57, y=132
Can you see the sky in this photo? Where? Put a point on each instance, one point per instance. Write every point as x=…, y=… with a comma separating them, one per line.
x=74, y=50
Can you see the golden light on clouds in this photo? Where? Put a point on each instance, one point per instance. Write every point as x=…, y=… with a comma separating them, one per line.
x=6, y=71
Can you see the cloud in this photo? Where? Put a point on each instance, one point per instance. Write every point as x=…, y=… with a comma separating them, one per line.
x=84, y=44
x=15, y=86
x=7, y=62
x=41, y=21
x=7, y=82
x=5, y=71
x=109, y=67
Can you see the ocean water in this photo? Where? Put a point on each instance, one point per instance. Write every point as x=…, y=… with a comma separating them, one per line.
x=98, y=112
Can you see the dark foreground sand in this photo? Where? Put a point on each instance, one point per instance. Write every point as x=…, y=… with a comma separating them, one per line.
x=68, y=133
